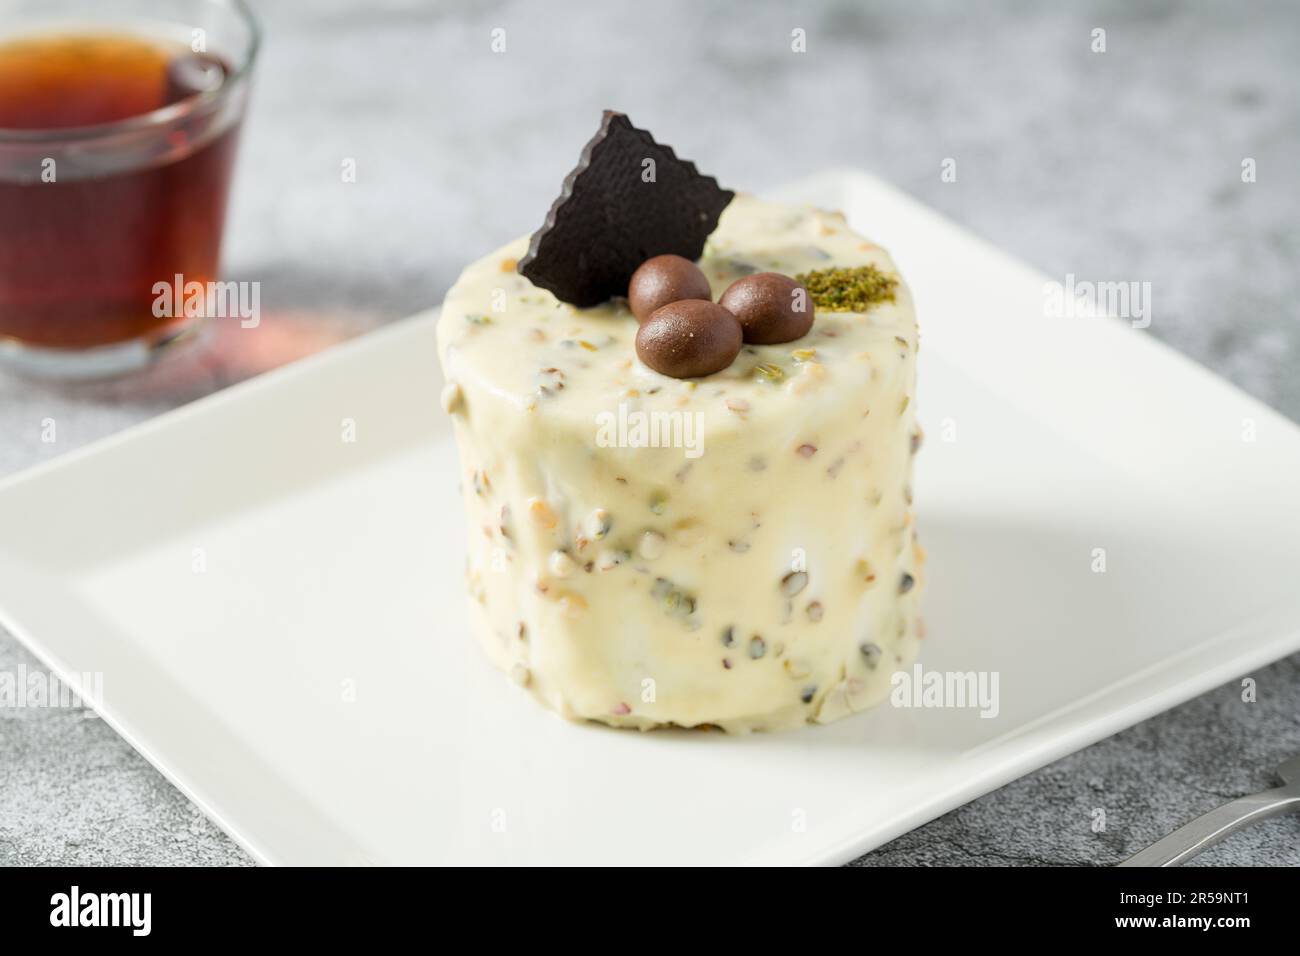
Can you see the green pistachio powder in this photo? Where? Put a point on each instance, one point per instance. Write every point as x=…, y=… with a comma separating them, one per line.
x=848, y=290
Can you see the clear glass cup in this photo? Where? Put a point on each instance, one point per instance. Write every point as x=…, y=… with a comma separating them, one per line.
x=97, y=217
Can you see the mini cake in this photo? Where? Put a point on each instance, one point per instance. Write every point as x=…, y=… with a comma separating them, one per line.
x=734, y=549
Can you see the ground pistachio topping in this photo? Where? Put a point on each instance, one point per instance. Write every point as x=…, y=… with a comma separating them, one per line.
x=871, y=653
x=848, y=290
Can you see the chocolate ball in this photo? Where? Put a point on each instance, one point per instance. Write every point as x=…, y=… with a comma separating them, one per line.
x=663, y=280
x=772, y=308
x=689, y=338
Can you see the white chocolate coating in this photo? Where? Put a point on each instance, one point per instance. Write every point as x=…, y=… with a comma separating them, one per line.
x=763, y=576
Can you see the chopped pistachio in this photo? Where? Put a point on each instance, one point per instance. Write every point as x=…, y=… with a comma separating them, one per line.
x=453, y=398
x=598, y=524
x=794, y=582
x=864, y=571
x=549, y=381
x=573, y=605
x=542, y=513
x=737, y=405
x=611, y=558
x=688, y=531
x=652, y=545
x=672, y=599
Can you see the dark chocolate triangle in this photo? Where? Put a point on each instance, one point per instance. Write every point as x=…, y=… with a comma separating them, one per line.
x=609, y=219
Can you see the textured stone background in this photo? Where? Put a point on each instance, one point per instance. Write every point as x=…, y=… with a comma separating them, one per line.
x=1122, y=165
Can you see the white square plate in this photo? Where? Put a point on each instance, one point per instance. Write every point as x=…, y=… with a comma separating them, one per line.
x=278, y=616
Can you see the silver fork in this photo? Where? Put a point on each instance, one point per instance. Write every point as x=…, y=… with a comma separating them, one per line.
x=1207, y=830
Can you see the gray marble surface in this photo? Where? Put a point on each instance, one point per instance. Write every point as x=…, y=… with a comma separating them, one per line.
x=1124, y=164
